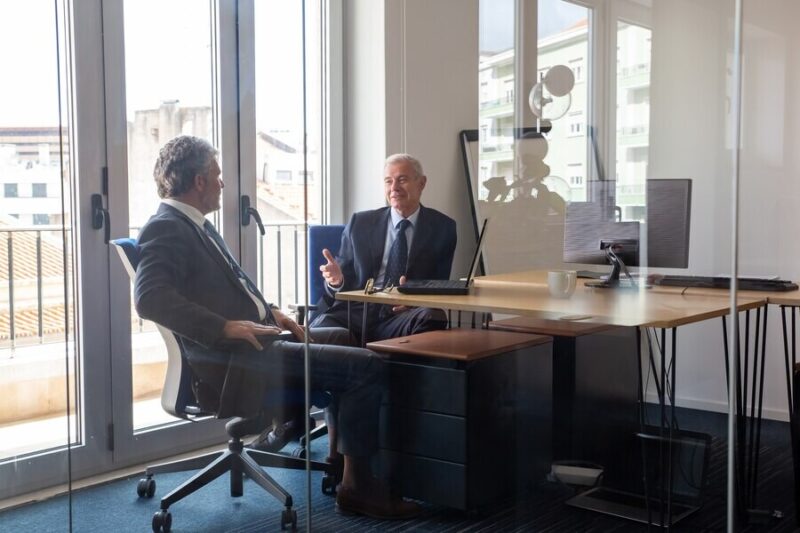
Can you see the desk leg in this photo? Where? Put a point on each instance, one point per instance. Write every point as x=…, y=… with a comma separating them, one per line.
x=364, y=325
x=749, y=392
x=664, y=379
x=791, y=381
x=786, y=337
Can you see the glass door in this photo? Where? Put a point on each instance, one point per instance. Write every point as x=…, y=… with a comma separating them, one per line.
x=160, y=79
x=53, y=304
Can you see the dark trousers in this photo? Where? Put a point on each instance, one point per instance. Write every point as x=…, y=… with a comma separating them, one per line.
x=381, y=322
x=353, y=376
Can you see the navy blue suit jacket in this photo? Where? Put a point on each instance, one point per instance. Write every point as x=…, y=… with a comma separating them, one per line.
x=364, y=240
x=184, y=284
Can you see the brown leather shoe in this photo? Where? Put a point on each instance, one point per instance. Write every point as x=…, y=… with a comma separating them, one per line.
x=377, y=504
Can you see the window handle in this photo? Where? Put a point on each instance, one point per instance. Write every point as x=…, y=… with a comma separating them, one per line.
x=100, y=217
x=248, y=211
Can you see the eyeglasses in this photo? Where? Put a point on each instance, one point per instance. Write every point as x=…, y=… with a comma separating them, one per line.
x=370, y=288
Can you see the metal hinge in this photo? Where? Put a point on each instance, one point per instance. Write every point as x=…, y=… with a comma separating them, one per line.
x=110, y=438
x=104, y=181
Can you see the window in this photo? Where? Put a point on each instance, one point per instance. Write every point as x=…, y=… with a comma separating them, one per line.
x=10, y=190
x=39, y=190
x=508, y=87
x=576, y=65
x=575, y=174
x=41, y=219
x=575, y=124
x=309, y=176
x=283, y=176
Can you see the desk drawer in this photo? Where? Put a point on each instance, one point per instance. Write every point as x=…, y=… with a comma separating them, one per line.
x=430, y=480
x=426, y=388
x=420, y=433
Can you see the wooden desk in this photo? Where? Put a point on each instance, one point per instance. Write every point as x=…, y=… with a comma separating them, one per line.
x=664, y=308
x=526, y=294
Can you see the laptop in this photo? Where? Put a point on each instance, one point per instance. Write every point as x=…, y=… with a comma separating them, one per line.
x=447, y=286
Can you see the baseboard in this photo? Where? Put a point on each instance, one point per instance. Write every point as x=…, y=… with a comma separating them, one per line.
x=779, y=415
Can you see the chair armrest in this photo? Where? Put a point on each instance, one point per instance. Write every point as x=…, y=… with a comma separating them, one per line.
x=301, y=311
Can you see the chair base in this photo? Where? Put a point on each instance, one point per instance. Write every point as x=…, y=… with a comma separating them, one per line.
x=239, y=461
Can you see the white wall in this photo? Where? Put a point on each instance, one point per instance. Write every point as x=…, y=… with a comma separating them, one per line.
x=364, y=98
x=430, y=93
x=770, y=163
x=690, y=138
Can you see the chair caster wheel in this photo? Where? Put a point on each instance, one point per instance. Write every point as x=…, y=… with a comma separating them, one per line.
x=146, y=487
x=289, y=518
x=162, y=521
x=329, y=484
x=299, y=452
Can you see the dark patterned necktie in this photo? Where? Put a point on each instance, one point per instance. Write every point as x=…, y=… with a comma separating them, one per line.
x=212, y=233
x=398, y=255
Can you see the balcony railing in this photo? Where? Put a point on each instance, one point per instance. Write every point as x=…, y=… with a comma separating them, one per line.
x=282, y=263
x=32, y=282
x=32, y=307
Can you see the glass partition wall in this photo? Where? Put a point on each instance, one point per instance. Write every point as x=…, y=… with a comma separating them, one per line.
x=41, y=415
x=636, y=155
x=600, y=134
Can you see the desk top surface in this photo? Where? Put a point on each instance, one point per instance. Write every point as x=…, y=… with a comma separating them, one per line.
x=525, y=293
x=539, y=277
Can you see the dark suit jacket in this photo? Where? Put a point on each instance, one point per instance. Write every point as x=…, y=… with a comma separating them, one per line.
x=184, y=284
x=364, y=239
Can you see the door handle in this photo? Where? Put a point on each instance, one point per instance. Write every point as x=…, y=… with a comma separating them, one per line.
x=100, y=217
x=248, y=211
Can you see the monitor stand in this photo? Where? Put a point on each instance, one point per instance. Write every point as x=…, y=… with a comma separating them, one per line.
x=613, y=281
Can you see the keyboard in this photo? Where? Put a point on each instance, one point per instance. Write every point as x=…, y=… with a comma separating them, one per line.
x=724, y=282
x=434, y=286
x=592, y=274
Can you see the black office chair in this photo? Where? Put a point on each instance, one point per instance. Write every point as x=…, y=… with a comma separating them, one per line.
x=178, y=399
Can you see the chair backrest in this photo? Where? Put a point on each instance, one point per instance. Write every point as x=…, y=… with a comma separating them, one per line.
x=320, y=236
x=177, y=396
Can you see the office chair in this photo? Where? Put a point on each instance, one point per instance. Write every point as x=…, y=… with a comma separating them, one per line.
x=178, y=399
x=319, y=237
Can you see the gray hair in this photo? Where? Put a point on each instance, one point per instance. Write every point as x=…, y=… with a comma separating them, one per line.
x=179, y=161
x=405, y=158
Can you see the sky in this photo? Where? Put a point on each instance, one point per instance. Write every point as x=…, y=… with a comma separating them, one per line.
x=497, y=21
x=168, y=55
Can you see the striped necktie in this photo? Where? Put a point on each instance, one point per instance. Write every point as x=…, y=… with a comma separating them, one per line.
x=398, y=255
x=212, y=233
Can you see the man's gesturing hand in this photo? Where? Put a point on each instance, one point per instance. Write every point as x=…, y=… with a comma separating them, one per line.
x=331, y=270
x=246, y=330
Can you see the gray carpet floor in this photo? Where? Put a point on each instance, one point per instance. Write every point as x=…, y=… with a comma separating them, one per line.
x=115, y=507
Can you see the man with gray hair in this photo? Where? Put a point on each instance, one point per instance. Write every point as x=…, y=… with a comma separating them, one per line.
x=404, y=240
x=189, y=282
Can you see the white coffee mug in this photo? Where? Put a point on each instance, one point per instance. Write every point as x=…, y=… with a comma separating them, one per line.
x=561, y=283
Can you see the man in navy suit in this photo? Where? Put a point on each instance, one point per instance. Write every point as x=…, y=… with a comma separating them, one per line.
x=189, y=282
x=422, y=238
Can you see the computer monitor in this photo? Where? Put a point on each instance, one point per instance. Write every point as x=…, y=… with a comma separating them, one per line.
x=669, y=209
x=593, y=233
